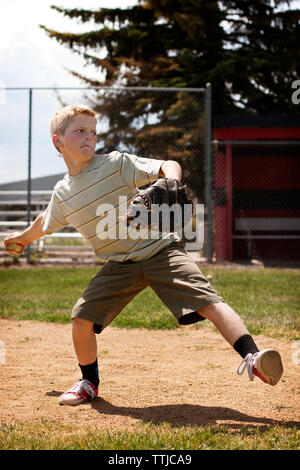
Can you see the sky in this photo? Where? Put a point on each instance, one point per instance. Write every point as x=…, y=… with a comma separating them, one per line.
x=29, y=58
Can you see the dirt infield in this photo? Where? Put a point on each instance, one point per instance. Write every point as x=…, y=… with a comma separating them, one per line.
x=183, y=377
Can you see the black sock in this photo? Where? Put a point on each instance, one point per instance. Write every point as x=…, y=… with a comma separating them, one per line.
x=245, y=345
x=90, y=372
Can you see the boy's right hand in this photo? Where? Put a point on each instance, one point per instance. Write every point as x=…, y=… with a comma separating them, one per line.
x=15, y=244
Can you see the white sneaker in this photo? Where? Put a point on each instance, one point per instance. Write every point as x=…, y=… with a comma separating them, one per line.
x=265, y=364
x=83, y=390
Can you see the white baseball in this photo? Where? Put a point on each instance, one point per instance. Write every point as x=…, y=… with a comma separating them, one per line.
x=14, y=248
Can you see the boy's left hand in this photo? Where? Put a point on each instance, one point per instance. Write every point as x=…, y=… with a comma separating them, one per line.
x=168, y=192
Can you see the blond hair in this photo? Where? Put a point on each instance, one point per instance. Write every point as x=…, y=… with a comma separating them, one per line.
x=62, y=118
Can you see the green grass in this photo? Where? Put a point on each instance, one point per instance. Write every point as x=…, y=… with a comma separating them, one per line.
x=51, y=435
x=266, y=299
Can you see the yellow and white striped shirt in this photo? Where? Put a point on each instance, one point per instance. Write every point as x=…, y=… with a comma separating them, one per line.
x=96, y=198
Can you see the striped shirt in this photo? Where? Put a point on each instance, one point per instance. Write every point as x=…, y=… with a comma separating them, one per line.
x=94, y=202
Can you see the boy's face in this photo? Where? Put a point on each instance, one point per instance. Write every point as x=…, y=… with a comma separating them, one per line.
x=79, y=141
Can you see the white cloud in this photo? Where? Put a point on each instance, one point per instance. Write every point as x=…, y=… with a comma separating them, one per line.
x=29, y=58
x=13, y=165
x=25, y=46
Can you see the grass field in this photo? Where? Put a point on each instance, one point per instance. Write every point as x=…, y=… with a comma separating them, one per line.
x=266, y=299
x=51, y=435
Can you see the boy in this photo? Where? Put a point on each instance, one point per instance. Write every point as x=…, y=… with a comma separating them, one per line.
x=94, y=182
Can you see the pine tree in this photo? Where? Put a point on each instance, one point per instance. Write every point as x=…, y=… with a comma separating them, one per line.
x=263, y=55
x=247, y=50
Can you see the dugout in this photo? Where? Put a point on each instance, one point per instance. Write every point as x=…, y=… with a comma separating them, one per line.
x=256, y=187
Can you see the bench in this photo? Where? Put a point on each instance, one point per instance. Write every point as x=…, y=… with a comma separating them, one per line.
x=266, y=224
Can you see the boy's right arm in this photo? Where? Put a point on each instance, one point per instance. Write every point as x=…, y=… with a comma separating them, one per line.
x=31, y=233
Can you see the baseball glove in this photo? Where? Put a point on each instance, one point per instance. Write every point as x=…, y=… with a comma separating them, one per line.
x=166, y=205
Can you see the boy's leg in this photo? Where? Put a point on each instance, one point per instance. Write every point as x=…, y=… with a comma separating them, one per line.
x=180, y=284
x=114, y=286
x=85, y=345
x=265, y=364
x=84, y=341
x=226, y=320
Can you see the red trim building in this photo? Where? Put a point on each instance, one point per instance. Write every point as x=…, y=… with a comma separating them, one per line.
x=257, y=187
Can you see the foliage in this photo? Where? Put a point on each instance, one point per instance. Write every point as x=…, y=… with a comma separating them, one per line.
x=244, y=48
x=247, y=50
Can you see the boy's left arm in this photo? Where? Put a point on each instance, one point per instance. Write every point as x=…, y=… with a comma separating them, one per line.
x=168, y=190
x=170, y=169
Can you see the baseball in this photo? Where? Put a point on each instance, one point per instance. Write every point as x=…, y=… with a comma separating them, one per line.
x=14, y=248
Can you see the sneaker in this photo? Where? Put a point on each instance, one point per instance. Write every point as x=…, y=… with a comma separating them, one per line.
x=83, y=390
x=265, y=364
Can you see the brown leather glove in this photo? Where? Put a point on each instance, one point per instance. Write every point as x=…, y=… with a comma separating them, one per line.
x=166, y=205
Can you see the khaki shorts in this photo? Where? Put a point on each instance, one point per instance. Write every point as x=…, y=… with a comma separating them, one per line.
x=172, y=274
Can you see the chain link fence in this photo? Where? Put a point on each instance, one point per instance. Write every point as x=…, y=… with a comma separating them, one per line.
x=250, y=189
x=162, y=123
x=256, y=194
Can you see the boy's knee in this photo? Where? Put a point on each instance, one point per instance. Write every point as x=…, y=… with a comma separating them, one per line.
x=217, y=307
x=82, y=323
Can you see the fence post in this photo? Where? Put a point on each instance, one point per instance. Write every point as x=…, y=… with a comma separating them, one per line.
x=228, y=179
x=208, y=171
x=29, y=170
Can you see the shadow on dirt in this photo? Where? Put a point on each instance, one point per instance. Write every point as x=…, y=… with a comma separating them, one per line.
x=188, y=415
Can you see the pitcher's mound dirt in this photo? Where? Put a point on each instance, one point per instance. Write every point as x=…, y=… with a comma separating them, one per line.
x=182, y=377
